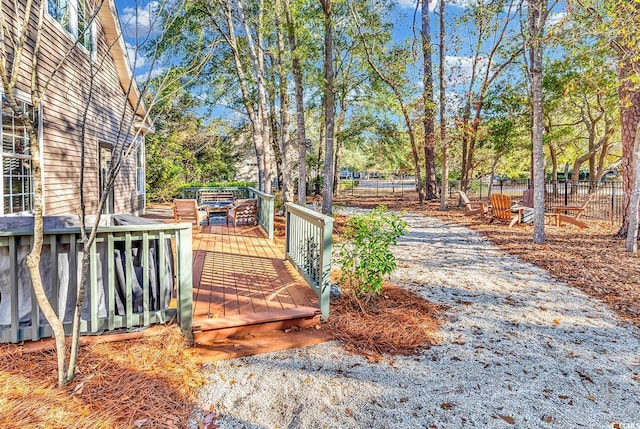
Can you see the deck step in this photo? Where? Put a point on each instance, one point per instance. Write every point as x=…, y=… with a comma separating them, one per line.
x=250, y=345
x=209, y=330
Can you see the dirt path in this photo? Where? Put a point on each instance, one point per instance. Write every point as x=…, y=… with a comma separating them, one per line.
x=519, y=349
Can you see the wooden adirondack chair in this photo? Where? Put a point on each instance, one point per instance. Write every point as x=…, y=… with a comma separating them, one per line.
x=244, y=211
x=474, y=207
x=502, y=210
x=527, y=201
x=187, y=211
x=564, y=216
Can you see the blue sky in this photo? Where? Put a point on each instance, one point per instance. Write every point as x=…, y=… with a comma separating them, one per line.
x=136, y=16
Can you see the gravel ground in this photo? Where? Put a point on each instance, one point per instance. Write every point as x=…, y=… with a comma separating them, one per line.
x=518, y=349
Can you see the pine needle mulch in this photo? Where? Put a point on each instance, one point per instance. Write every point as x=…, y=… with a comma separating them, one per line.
x=396, y=322
x=592, y=259
x=144, y=383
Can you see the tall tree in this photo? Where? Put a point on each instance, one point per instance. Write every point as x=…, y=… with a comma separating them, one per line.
x=390, y=68
x=537, y=16
x=495, y=46
x=428, y=119
x=617, y=23
x=443, y=118
x=296, y=71
x=329, y=108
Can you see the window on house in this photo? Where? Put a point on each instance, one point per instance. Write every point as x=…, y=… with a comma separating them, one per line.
x=140, y=167
x=84, y=26
x=17, y=176
x=75, y=18
x=59, y=10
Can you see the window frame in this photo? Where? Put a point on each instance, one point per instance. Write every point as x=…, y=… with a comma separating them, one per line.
x=21, y=97
x=71, y=29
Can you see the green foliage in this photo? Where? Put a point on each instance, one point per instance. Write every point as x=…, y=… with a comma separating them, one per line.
x=364, y=256
x=185, y=148
x=224, y=184
x=278, y=201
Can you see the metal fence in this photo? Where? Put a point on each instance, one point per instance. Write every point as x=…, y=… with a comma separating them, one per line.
x=605, y=204
x=133, y=275
x=392, y=185
x=308, y=248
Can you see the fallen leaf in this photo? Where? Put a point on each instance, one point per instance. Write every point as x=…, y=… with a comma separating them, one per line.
x=584, y=376
x=543, y=308
x=403, y=400
x=547, y=419
x=139, y=423
x=78, y=389
x=591, y=398
x=563, y=397
x=446, y=406
x=507, y=419
x=307, y=380
x=556, y=322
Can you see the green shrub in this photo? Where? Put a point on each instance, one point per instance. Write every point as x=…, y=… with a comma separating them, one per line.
x=364, y=256
x=278, y=201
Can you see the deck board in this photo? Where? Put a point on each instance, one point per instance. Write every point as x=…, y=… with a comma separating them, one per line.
x=239, y=273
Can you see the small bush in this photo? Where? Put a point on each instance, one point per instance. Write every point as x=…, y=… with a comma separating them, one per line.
x=364, y=256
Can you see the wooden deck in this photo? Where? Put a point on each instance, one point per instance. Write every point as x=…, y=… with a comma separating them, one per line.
x=239, y=276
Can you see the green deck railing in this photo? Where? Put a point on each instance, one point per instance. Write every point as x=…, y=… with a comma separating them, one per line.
x=133, y=275
x=265, y=202
x=308, y=247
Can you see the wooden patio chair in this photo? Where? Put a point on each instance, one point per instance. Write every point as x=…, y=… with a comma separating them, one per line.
x=187, y=211
x=243, y=211
x=474, y=207
x=564, y=216
x=502, y=210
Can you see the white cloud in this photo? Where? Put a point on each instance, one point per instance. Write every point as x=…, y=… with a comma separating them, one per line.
x=136, y=59
x=139, y=22
x=556, y=18
x=459, y=69
x=150, y=74
x=433, y=4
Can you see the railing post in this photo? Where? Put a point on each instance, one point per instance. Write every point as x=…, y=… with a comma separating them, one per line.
x=185, y=281
x=325, y=266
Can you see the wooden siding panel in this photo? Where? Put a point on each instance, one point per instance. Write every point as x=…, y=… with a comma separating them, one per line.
x=63, y=108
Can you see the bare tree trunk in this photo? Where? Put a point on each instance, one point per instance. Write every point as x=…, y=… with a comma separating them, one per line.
x=329, y=108
x=629, y=120
x=9, y=81
x=537, y=14
x=443, y=119
x=285, y=138
x=634, y=211
x=232, y=41
x=257, y=62
x=428, y=106
x=301, y=138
